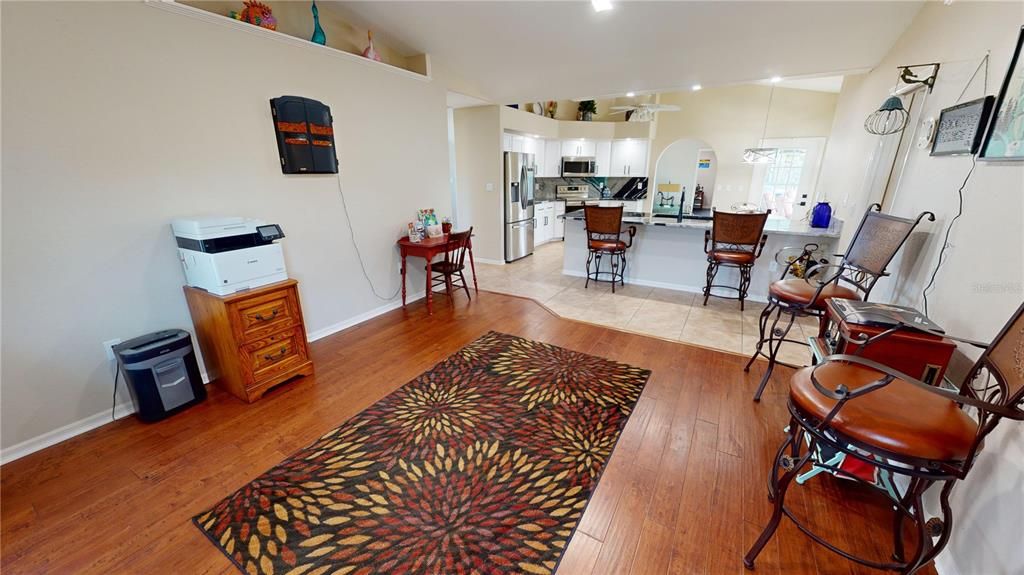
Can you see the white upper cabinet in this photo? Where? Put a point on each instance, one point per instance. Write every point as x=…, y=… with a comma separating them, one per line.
x=552, y=167
x=629, y=158
x=585, y=148
x=532, y=145
x=603, y=154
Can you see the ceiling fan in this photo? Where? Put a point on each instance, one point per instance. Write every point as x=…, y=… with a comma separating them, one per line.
x=643, y=112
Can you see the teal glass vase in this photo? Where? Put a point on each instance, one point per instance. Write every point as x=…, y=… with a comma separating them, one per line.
x=318, y=33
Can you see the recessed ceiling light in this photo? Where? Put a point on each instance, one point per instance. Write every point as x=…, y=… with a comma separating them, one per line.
x=696, y=87
x=601, y=5
x=630, y=94
x=776, y=79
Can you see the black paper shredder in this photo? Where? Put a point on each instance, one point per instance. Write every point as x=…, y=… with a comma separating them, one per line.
x=161, y=373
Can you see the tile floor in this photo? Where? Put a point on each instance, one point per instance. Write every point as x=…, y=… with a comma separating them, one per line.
x=674, y=315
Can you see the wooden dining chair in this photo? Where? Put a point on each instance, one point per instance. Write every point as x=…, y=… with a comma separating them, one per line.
x=903, y=427
x=875, y=243
x=735, y=240
x=449, y=272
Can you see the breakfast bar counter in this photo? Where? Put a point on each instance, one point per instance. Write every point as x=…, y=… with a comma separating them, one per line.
x=668, y=253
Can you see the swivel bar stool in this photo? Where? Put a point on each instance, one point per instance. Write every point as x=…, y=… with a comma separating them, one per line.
x=604, y=227
x=903, y=427
x=736, y=241
x=874, y=244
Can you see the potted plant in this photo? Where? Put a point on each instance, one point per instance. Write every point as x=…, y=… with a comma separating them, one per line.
x=587, y=109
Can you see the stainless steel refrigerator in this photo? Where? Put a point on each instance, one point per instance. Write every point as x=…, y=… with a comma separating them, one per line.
x=519, y=222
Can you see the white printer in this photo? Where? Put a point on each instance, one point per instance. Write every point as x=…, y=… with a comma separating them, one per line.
x=223, y=255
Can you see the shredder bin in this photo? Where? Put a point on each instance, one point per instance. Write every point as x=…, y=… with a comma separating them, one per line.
x=161, y=373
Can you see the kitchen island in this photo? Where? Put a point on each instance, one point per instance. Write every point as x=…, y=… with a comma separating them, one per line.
x=669, y=254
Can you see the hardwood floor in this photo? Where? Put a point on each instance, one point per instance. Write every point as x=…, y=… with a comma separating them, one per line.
x=684, y=491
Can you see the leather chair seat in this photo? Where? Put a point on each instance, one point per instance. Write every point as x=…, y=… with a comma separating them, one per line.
x=607, y=245
x=799, y=291
x=899, y=418
x=732, y=257
x=446, y=267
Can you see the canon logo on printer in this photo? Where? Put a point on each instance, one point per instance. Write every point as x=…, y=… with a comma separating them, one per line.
x=252, y=261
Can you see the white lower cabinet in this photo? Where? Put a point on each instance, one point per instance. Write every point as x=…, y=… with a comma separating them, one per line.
x=544, y=213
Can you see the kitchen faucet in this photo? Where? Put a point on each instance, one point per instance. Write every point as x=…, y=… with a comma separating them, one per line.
x=661, y=200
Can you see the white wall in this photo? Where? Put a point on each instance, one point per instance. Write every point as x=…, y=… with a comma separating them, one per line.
x=480, y=179
x=981, y=283
x=118, y=117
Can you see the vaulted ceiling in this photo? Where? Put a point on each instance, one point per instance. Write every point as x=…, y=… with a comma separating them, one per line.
x=524, y=51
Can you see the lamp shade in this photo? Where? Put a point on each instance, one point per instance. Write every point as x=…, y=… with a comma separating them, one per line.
x=890, y=118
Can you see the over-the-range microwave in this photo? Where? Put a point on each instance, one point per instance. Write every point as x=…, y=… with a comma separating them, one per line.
x=579, y=166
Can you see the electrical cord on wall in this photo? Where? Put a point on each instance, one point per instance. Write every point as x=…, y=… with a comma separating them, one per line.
x=113, y=400
x=359, y=255
x=949, y=229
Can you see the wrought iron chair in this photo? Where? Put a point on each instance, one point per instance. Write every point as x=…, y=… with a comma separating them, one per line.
x=444, y=272
x=902, y=426
x=736, y=241
x=604, y=228
x=874, y=244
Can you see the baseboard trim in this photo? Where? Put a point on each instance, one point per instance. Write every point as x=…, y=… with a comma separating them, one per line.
x=73, y=429
x=489, y=261
x=125, y=409
x=666, y=285
x=358, y=319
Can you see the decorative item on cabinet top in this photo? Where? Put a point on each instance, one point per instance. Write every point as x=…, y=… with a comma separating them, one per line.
x=257, y=14
x=318, y=32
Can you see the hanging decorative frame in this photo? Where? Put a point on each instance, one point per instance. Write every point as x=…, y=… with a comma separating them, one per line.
x=961, y=127
x=1004, y=139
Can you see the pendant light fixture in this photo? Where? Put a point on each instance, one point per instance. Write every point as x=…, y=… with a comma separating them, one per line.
x=891, y=117
x=761, y=155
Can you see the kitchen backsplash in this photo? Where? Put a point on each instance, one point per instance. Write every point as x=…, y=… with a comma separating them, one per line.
x=617, y=186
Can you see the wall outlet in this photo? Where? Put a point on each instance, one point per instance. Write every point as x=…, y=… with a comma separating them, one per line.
x=489, y=187
x=108, y=347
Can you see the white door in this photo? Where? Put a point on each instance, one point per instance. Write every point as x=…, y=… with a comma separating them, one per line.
x=552, y=159
x=603, y=153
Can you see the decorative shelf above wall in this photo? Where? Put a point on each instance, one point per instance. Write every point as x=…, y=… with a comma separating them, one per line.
x=418, y=65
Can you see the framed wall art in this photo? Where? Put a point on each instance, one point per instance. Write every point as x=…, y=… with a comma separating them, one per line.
x=961, y=127
x=1004, y=139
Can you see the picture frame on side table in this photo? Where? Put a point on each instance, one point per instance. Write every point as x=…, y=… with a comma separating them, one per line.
x=960, y=128
x=1004, y=139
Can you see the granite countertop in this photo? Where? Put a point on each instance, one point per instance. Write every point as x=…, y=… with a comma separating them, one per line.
x=700, y=221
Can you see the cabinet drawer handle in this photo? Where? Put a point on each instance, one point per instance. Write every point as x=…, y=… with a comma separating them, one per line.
x=261, y=317
x=278, y=355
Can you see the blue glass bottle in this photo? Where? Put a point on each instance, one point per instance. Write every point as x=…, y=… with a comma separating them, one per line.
x=821, y=215
x=318, y=33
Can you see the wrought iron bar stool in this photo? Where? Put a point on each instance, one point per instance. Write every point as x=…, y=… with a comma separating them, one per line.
x=874, y=244
x=902, y=426
x=604, y=227
x=736, y=241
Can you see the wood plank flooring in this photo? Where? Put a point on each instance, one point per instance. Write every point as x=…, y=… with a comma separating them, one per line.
x=684, y=491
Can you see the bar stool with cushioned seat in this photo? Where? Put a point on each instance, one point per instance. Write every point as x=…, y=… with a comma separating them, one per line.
x=874, y=244
x=604, y=227
x=736, y=241
x=896, y=425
